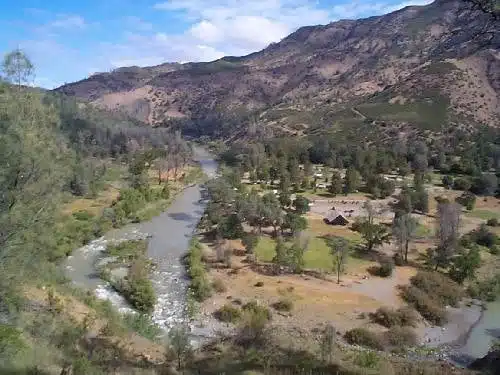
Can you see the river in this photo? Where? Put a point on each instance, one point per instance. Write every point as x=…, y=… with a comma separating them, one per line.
x=169, y=235
x=481, y=336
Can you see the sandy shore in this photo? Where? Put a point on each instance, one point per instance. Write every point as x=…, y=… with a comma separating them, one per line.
x=454, y=333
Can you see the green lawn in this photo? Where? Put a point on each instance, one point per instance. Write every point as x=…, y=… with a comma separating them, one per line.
x=317, y=255
x=423, y=231
x=484, y=214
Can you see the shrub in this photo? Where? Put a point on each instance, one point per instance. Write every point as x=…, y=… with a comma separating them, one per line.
x=259, y=284
x=139, y=293
x=228, y=314
x=284, y=304
x=388, y=317
x=462, y=183
x=426, y=306
x=364, y=337
x=495, y=250
x=483, y=236
x=83, y=215
x=467, y=199
x=200, y=286
x=367, y=359
x=486, y=290
x=254, y=308
x=438, y=287
x=398, y=260
x=386, y=267
x=400, y=337
x=493, y=222
x=143, y=325
x=219, y=286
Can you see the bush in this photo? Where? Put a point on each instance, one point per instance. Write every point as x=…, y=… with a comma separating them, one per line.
x=219, y=286
x=388, y=317
x=484, y=237
x=367, y=359
x=398, y=260
x=438, y=287
x=386, y=268
x=426, y=306
x=400, y=337
x=486, y=290
x=254, y=308
x=139, y=293
x=467, y=199
x=495, y=250
x=284, y=304
x=83, y=215
x=228, y=314
x=364, y=337
x=143, y=325
x=462, y=183
x=259, y=284
x=200, y=286
x=493, y=222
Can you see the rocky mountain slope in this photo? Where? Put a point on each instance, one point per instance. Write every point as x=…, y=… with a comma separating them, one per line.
x=426, y=66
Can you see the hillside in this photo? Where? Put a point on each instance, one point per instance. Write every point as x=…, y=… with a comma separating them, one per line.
x=427, y=66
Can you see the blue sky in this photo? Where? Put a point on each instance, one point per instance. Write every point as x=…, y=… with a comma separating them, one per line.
x=70, y=40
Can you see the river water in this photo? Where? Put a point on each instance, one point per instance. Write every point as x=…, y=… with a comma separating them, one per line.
x=169, y=235
x=481, y=336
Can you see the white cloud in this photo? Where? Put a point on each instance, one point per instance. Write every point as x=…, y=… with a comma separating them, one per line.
x=214, y=28
x=137, y=23
x=69, y=22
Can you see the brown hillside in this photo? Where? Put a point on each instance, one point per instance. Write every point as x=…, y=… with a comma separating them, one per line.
x=424, y=65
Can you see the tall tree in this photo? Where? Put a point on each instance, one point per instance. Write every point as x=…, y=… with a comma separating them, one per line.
x=403, y=229
x=447, y=233
x=179, y=344
x=464, y=265
x=280, y=256
x=352, y=180
x=301, y=204
x=17, y=68
x=339, y=249
x=335, y=186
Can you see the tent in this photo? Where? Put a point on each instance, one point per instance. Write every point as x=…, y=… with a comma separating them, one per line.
x=335, y=218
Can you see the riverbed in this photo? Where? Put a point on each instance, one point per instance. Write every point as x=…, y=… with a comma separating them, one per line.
x=169, y=234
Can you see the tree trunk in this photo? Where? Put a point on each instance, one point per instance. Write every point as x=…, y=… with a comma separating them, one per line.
x=159, y=176
x=407, y=245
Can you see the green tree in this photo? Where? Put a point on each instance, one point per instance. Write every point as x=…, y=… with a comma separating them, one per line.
x=272, y=211
x=339, y=250
x=464, y=265
x=34, y=166
x=373, y=234
x=420, y=199
x=447, y=233
x=17, y=68
x=230, y=227
x=294, y=222
x=352, y=180
x=296, y=253
x=250, y=241
x=447, y=181
x=179, y=344
x=403, y=229
x=301, y=204
x=281, y=255
x=335, y=186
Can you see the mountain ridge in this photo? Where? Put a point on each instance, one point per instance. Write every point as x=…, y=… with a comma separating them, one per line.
x=419, y=54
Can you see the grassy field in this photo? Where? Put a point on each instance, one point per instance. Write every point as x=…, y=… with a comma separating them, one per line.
x=484, y=214
x=317, y=255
